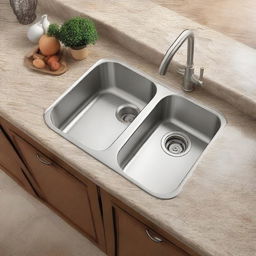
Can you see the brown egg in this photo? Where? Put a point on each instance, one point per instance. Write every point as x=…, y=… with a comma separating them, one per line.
x=38, y=63
x=49, y=45
x=54, y=65
x=53, y=58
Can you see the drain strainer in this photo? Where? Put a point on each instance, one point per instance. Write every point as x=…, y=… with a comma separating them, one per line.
x=176, y=144
x=127, y=113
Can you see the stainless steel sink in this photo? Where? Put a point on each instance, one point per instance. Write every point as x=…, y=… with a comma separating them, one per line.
x=134, y=125
x=102, y=104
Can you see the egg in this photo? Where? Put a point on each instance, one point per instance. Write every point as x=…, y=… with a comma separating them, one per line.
x=49, y=45
x=38, y=63
x=54, y=65
x=53, y=58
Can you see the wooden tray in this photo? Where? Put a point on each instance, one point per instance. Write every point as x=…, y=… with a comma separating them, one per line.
x=28, y=62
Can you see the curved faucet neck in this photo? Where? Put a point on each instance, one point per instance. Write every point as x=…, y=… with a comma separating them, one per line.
x=185, y=35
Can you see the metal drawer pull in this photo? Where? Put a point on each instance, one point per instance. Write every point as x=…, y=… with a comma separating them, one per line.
x=153, y=238
x=43, y=160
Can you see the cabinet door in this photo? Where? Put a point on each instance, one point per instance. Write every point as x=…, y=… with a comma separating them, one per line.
x=130, y=234
x=59, y=188
x=10, y=161
x=136, y=239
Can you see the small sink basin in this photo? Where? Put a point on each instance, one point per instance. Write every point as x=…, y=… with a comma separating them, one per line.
x=166, y=145
x=137, y=127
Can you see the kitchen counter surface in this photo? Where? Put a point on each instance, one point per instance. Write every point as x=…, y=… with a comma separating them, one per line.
x=234, y=18
x=215, y=212
x=148, y=29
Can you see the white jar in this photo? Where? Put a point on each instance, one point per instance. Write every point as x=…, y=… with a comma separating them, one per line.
x=38, y=29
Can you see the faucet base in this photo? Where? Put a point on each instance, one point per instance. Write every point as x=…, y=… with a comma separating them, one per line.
x=188, y=84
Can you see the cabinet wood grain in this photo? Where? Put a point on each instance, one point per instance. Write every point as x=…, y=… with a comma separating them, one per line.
x=135, y=238
x=75, y=200
x=10, y=162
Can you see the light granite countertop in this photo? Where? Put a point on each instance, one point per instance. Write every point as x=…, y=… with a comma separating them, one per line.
x=148, y=29
x=235, y=18
x=215, y=212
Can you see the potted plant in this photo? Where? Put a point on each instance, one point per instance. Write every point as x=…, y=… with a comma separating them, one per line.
x=76, y=34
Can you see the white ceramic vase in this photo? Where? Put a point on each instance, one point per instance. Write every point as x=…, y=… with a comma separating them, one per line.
x=38, y=29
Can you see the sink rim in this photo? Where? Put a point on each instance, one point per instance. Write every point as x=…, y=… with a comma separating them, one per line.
x=109, y=156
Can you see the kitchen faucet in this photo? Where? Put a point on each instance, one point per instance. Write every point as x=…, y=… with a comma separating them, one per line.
x=189, y=78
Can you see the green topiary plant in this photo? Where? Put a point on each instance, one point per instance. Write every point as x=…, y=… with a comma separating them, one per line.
x=77, y=33
x=53, y=30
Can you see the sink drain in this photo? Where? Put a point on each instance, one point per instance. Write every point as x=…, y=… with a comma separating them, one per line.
x=127, y=113
x=176, y=144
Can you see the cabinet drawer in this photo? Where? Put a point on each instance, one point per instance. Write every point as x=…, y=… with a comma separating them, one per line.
x=136, y=239
x=59, y=188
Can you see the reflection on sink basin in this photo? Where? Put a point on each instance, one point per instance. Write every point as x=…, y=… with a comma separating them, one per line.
x=168, y=142
x=102, y=104
x=137, y=127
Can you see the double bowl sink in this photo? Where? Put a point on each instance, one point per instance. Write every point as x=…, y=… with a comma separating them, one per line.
x=137, y=127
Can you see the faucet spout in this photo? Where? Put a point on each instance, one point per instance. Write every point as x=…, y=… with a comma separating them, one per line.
x=189, y=78
x=185, y=35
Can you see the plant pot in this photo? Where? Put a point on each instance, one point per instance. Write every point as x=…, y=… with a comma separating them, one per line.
x=24, y=10
x=79, y=53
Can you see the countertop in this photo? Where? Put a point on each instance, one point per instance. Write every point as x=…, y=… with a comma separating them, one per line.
x=215, y=212
x=234, y=18
x=148, y=29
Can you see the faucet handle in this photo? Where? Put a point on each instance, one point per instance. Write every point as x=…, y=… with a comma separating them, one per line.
x=198, y=80
x=201, y=76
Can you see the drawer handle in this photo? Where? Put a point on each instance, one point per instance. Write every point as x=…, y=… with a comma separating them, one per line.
x=43, y=160
x=153, y=237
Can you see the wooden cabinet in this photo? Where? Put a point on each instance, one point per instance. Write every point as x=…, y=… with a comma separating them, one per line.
x=84, y=205
x=128, y=233
x=11, y=163
x=77, y=201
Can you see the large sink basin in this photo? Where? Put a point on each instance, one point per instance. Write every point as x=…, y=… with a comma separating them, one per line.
x=88, y=112
x=134, y=125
